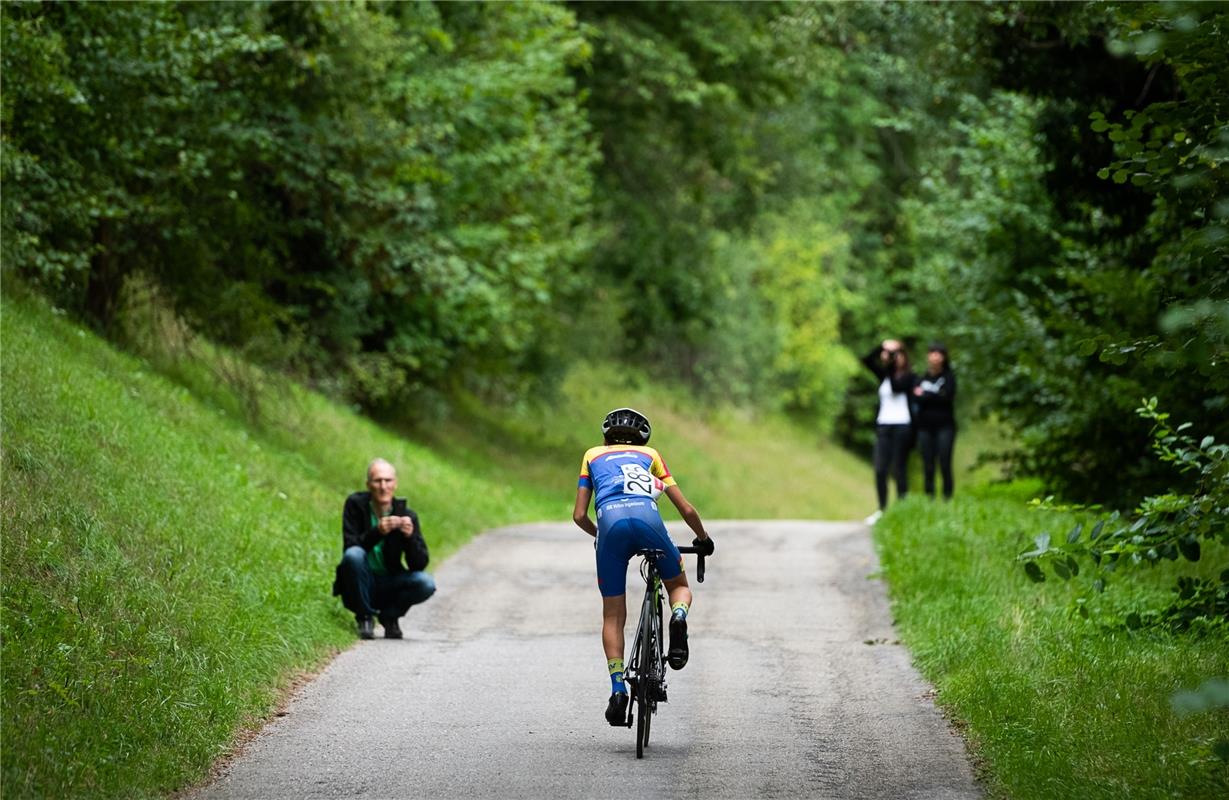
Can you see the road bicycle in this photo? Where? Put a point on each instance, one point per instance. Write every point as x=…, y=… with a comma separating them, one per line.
x=645, y=672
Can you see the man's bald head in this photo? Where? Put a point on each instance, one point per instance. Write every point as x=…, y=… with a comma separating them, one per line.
x=383, y=465
x=381, y=482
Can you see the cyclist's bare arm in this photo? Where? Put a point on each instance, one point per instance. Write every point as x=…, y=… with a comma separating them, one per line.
x=686, y=510
x=580, y=514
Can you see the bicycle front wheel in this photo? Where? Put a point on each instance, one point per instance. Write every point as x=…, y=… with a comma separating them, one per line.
x=651, y=688
x=646, y=674
x=642, y=718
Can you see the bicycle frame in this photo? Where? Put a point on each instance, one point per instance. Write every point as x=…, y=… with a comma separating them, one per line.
x=646, y=667
x=650, y=617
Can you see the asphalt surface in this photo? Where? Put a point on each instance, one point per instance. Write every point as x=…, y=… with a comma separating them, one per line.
x=796, y=686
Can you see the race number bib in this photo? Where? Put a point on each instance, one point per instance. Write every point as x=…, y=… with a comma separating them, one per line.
x=639, y=481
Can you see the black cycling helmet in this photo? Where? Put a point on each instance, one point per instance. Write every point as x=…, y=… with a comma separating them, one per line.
x=626, y=426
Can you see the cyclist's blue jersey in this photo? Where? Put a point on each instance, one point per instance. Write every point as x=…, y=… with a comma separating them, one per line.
x=622, y=472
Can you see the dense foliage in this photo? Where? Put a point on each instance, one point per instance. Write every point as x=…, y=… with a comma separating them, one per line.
x=377, y=193
x=1104, y=274
x=396, y=200
x=1172, y=526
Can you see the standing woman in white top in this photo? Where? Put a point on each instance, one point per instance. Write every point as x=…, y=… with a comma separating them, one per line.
x=894, y=423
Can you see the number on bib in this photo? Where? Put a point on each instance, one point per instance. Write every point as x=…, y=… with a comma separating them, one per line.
x=639, y=481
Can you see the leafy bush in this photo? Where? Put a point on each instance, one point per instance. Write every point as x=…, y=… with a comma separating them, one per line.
x=1116, y=285
x=1177, y=524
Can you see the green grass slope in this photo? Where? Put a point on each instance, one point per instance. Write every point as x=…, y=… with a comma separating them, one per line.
x=166, y=569
x=1055, y=706
x=167, y=565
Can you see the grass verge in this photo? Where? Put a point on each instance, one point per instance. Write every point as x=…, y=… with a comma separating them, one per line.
x=1055, y=706
x=167, y=553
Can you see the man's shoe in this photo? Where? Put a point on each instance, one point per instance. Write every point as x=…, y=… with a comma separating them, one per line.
x=873, y=518
x=678, y=642
x=366, y=628
x=616, y=709
x=392, y=628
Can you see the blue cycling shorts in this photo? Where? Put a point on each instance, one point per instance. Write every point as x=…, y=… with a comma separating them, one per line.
x=623, y=527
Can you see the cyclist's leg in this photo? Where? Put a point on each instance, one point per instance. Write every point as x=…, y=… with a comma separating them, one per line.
x=651, y=533
x=613, y=551
x=614, y=547
x=680, y=606
x=614, y=618
x=678, y=590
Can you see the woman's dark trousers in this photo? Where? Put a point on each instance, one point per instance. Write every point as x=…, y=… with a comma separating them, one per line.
x=937, y=444
x=892, y=443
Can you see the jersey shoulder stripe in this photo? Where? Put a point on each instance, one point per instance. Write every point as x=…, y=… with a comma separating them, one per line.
x=605, y=470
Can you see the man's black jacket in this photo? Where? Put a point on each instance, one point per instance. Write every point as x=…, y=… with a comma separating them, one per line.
x=357, y=530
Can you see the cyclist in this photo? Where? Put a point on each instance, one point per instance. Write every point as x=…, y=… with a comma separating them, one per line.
x=624, y=476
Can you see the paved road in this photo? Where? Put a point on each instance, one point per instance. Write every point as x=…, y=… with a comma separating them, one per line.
x=499, y=688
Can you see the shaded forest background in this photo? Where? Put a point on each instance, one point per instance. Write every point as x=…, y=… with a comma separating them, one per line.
x=402, y=202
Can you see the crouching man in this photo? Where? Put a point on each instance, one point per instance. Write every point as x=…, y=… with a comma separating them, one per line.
x=381, y=574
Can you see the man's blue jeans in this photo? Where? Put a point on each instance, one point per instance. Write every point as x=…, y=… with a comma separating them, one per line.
x=386, y=596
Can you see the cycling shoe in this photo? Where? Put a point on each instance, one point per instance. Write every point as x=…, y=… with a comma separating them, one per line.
x=678, y=642
x=616, y=709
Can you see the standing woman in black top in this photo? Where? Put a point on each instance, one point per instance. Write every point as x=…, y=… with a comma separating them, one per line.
x=936, y=417
x=894, y=421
